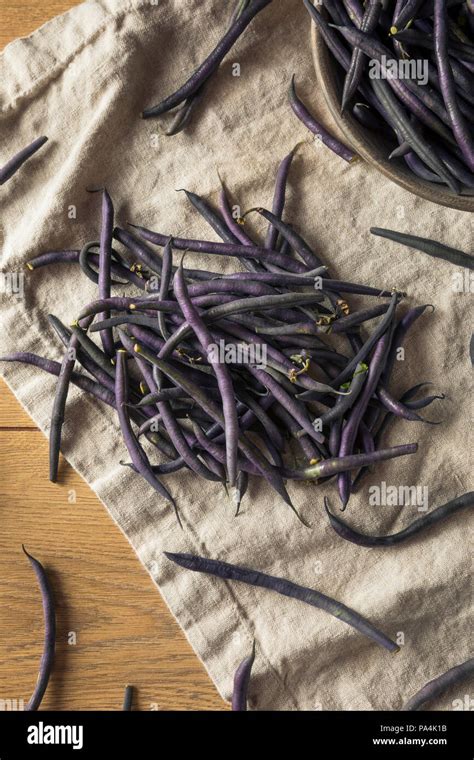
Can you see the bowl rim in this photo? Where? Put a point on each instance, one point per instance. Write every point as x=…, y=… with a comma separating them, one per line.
x=354, y=134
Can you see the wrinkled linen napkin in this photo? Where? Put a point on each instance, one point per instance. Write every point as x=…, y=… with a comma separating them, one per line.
x=83, y=79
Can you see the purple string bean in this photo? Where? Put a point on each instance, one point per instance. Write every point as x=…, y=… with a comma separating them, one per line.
x=16, y=162
x=229, y=572
x=418, y=526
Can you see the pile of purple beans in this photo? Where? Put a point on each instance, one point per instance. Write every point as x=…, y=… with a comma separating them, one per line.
x=265, y=371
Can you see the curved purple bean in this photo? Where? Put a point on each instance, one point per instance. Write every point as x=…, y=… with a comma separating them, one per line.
x=242, y=682
x=422, y=403
x=316, y=128
x=116, y=267
x=286, y=588
x=47, y=658
x=398, y=408
x=17, y=161
x=420, y=169
x=433, y=518
x=279, y=198
x=207, y=68
x=434, y=688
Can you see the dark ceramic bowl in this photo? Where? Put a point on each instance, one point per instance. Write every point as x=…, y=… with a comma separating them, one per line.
x=370, y=145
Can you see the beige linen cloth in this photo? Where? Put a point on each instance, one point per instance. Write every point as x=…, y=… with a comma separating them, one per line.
x=83, y=79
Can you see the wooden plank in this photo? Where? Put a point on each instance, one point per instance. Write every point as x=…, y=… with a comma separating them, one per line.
x=12, y=414
x=105, y=598
x=18, y=18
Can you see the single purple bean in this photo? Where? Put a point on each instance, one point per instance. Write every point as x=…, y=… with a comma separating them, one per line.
x=47, y=658
x=328, y=467
x=284, y=587
x=434, y=688
x=230, y=219
x=127, y=698
x=398, y=408
x=17, y=161
x=279, y=198
x=211, y=216
x=53, y=257
x=316, y=128
x=430, y=247
x=223, y=249
x=240, y=490
x=433, y=518
x=105, y=257
x=242, y=682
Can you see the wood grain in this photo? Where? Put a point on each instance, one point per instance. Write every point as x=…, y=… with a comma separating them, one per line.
x=113, y=626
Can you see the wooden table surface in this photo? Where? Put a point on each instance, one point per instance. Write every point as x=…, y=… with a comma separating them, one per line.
x=113, y=626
